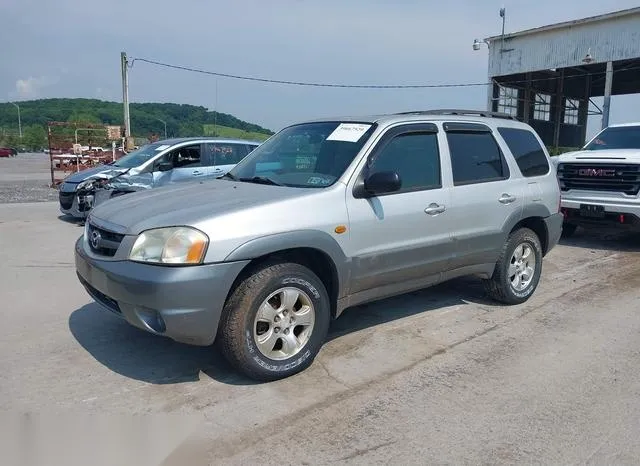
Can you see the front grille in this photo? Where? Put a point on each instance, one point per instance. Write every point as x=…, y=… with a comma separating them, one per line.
x=66, y=200
x=611, y=177
x=103, y=242
x=100, y=297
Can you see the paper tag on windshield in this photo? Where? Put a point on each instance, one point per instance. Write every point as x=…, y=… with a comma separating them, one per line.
x=163, y=147
x=348, y=132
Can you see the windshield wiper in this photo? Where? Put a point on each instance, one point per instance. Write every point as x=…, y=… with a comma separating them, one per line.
x=261, y=180
x=229, y=176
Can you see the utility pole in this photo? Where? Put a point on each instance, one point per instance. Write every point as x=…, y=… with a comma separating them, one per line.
x=19, y=120
x=125, y=96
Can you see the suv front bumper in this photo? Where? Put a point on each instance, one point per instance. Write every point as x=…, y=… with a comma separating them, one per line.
x=621, y=212
x=182, y=303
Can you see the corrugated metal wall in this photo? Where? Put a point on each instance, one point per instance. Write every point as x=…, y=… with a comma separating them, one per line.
x=609, y=40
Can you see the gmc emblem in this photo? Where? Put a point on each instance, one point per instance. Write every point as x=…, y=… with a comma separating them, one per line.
x=597, y=172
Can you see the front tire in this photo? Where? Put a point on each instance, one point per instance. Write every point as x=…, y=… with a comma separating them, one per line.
x=518, y=268
x=275, y=322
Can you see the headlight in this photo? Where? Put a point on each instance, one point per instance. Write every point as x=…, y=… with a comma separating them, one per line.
x=174, y=245
x=84, y=184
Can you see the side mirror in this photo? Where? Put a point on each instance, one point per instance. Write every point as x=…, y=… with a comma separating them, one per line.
x=382, y=183
x=165, y=166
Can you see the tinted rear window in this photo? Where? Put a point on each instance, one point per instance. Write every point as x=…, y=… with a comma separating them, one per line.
x=475, y=158
x=527, y=151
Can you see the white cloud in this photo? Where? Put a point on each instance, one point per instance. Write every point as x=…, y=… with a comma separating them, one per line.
x=30, y=87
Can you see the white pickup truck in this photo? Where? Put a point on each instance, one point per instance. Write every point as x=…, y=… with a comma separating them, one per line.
x=599, y=184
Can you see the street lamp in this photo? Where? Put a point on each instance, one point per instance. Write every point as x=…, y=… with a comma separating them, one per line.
x=19, y=121
x=477, y=43
x=165, y=126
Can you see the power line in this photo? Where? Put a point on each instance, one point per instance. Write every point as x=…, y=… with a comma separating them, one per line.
x=364, y=86
x=307, y=84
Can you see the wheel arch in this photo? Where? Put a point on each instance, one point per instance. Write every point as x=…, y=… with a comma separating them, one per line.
x=532, y=217
x=315, y=250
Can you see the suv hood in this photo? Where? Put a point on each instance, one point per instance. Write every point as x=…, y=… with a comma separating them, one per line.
x=602, y=156
x=188, y=203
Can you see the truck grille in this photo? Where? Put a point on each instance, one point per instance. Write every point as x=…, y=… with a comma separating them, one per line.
x=66, y=200
x=102, y=241
x=615, y=177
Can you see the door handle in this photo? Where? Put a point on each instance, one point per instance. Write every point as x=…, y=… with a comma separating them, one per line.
x=434, y=209
x=197, y=172
x=507, y=199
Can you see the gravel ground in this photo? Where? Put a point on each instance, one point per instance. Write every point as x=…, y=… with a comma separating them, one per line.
x=26, y=178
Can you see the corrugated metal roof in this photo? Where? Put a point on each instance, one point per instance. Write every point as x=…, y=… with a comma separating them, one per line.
x=616, y=39
x=568, y=24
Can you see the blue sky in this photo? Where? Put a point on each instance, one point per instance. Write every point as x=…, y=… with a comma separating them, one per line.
x=71, y=48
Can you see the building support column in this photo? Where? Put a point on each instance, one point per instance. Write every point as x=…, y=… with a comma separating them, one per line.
x=583, y=114
x=527, y=100
x=608, y=84
x=557, y=119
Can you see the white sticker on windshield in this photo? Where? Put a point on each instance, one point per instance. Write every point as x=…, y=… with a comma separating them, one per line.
x=163, y=147
x=349, y=132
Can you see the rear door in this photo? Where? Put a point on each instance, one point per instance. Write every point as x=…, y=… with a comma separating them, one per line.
x=225, y=155
x=485, y=195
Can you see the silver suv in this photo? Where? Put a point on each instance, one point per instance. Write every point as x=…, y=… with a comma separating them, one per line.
x=323, y=216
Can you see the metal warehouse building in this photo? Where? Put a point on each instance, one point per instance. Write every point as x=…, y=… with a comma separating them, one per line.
x=547, y=76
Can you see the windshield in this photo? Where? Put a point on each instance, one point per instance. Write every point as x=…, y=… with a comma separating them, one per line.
x=310, y=155
x=140, y=156
x=620, y=137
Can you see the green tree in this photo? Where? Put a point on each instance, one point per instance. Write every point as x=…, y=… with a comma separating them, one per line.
x=83, y=118
x=34, y=137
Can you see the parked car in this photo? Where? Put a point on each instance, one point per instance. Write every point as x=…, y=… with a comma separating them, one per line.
x=323, y=216
x=8, y=152
x=600, y=183
x=154, y=165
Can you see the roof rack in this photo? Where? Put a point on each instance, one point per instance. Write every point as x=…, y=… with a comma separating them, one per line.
x=482, y=113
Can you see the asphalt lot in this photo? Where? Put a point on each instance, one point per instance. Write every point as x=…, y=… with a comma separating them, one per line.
x=438, y=376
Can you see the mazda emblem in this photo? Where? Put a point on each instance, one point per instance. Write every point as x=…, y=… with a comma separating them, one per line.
x=95, y=239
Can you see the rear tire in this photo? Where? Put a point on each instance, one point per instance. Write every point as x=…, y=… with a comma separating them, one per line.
x=518, y=268
x=275, y=321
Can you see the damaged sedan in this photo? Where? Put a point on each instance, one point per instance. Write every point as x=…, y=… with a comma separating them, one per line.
x=152, y=166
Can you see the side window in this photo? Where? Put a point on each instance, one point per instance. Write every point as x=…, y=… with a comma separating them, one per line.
x=226, y=153
x=186, y=157
x=527, y=151
x=415, y=157
x=475, y=157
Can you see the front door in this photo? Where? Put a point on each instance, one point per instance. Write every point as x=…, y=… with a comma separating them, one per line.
x=401, y=241
x=187, y=165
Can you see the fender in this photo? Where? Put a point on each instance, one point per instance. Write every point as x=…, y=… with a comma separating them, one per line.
x=528, y=211
x=313, y=239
